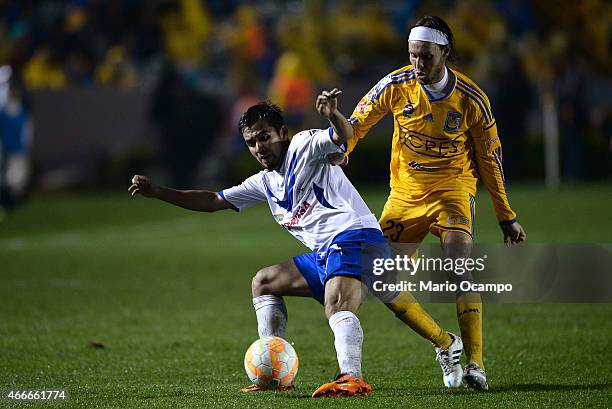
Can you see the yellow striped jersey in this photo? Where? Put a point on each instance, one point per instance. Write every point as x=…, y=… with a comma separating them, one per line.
x=440, y=143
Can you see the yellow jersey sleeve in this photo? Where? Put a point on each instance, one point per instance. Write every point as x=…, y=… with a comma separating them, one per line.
x=488, y=155
x=373, y=106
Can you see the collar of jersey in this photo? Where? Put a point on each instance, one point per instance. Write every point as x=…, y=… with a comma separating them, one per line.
x=450, y=91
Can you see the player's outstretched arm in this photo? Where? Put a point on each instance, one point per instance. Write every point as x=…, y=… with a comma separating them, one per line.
x=197, y=200
x=513, y=233
x=327, y=105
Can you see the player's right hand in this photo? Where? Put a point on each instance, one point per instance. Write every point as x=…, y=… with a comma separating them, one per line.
x=513, y=233
x=143, y=185
x=327, y=102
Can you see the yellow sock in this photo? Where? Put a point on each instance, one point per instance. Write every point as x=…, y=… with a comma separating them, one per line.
x=469, y=315
x=410, y=312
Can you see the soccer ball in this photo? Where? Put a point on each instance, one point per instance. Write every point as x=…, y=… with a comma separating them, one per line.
x=271, y=362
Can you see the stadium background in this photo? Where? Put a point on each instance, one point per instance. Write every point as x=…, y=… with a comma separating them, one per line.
x=131, y=302
x=119, y=86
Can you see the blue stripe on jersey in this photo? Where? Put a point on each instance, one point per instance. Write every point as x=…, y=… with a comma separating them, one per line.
x=286, y=204
x=395, y=79
x=489, y=126
x=479, y=99
x=220, y=193
x=507, y=222
x=475, y=99
x=472, y=214
x=429, y=96
x=320, y=195
x=344, y=146
x=477, y=92
x=478, y=95
x=434, y=99
x=401, y=74
x=498, y=160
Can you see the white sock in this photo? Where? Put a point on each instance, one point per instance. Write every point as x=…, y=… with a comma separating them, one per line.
x=271, y=315
x=348, y=339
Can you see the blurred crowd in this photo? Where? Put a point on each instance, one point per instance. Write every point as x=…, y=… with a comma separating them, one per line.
x=206, y=60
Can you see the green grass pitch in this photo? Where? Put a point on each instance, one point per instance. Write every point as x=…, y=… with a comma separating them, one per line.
x=167, y=293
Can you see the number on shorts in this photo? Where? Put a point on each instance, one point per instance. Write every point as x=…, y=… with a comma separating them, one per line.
x=393, y=230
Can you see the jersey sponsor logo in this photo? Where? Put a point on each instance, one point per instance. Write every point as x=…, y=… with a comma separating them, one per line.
x=297, y=216
x=429, y=145
x=408, y=110
x=417, y=166
x=453, y=121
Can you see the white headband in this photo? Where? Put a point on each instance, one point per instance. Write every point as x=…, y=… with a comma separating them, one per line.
x=420, y=33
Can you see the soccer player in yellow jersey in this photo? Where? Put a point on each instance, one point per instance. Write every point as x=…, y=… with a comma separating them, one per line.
x=445, y=139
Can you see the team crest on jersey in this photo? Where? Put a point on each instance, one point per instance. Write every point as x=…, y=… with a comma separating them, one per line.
x=453, y=121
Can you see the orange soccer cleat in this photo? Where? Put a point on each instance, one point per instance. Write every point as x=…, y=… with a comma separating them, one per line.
x=255, y=388
x=344, y=385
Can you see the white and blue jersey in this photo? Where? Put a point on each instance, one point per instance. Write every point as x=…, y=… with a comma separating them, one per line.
x=318, y=205
x=310, y=197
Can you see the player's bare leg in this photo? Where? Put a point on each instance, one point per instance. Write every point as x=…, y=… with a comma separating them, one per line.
x=469, y=312
x=269, y=286
x=343, y=296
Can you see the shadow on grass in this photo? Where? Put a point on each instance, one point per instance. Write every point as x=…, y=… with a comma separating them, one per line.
x=298, y=396
x=542, y=387
x=525, y=387
x=174, y=394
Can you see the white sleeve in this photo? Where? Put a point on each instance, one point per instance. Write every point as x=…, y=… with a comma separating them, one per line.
x=246, y=194
x=319, y=143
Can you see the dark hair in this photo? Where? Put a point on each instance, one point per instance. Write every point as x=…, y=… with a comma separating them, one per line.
x=264, y=110
x=437, y=23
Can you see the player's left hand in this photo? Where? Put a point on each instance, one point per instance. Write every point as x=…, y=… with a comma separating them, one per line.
x=513, y=233
x=327, y=102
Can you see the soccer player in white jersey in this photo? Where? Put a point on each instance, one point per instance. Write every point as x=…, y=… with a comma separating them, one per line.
x=318, y=205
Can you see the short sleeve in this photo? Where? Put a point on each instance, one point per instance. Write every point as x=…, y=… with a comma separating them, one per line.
x=316, y=143
x=246, y=194
x=322, y=142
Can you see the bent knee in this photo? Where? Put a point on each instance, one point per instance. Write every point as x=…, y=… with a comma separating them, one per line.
x=452, y=237
x=341, y=302
x=263, y=282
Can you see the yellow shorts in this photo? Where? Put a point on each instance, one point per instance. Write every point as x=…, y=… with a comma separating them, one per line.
x=406, y=220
